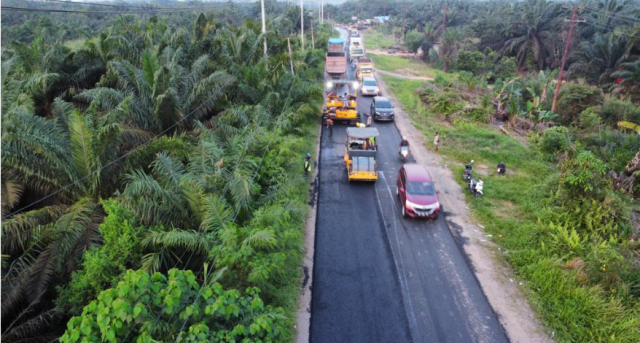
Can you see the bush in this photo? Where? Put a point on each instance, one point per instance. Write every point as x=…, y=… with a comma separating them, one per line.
x=210, y=313
x=102, y=265
x=589, y=120
x=413, y=40
x=583, y=177
x=505, y=68
x=555, y=139
x=576, y=97
x=471, y=61
x=614, y=110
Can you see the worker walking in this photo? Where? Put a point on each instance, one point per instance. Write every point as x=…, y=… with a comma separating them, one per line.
x=436, y=141
x=330, y=126
x=307, y=164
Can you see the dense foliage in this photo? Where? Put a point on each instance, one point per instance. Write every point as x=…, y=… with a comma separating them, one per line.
x=159, y=145
x=566, y=215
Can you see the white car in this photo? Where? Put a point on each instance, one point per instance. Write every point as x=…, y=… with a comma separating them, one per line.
x=369, y=86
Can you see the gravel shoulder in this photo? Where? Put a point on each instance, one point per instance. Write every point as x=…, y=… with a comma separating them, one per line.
x=495, y=277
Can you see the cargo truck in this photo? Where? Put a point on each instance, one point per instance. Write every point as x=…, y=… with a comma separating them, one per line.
x=336, y=60
x=364, y=68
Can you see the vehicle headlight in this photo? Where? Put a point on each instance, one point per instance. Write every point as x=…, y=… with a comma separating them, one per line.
x=356, y=84
x=412, y=205
x=378, y=113
x=377, y=89
x=329, y=84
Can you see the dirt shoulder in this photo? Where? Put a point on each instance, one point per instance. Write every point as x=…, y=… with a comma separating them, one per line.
x=497, y=280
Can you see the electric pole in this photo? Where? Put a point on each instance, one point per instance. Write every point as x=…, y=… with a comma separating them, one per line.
x=302, y=24
x=444, y=19
x=264, y=28
x=574, y=19
x=384, y=10
x=404, y=18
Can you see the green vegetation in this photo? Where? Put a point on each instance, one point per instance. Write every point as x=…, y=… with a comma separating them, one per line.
x=493, y=39
x=133, y=159
x=403, y=65
x=377, y=40
x=564, y=228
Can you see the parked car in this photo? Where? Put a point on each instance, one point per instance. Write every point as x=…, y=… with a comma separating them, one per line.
x=381, y=109
x=369, y=86
x=417, y=193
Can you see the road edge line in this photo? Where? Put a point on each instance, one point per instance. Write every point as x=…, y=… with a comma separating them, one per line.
x=303, y=313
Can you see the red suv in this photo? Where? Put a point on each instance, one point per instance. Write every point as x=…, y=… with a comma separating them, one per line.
x=417, y=193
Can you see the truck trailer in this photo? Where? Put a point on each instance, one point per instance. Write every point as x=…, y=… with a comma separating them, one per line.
x=336, y=60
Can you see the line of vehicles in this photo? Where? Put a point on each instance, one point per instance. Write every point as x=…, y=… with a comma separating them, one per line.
x=414, y=187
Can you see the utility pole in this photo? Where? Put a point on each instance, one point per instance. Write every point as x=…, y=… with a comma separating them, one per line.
x=321, y=12
x=313, y=43
x=404, y=18
x=264, y=28
x=574, y=19
x=384, y=10
x=302, y=24
x=444, y=19
x=290, y=58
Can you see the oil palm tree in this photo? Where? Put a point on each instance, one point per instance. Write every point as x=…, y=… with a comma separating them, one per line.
x=531, y=31
x=598, y=59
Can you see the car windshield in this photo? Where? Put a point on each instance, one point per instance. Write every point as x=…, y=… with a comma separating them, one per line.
x=383, y=104
x=370, y=83
x=420, y=188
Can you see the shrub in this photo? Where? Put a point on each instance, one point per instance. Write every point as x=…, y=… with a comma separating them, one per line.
x=102, y=265
x=614, y=110
x=447, y=103
x=210, y=313
x=583, y=177
x=413, y=40
x=471, y=61
x=505, y=68
x=589, y=120
x=576, y=97
x=555, y=139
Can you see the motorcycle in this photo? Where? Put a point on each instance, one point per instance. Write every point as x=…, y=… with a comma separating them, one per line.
x=404, y=153
x=502, y=169
x=466, y=175
x=476, y=187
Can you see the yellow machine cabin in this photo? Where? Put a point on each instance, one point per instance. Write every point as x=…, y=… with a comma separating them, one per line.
x=360, y=154
x=338, y=109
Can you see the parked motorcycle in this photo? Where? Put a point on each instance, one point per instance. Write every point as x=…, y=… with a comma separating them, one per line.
x=476, y=187
x=502, y=168
x=466, y=175
x=404, y=153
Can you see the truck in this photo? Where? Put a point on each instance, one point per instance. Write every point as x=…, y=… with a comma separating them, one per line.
x=336, y=60
x=364, y=68
x=356, y=50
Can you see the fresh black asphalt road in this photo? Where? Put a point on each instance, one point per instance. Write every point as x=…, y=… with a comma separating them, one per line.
x=379, y=277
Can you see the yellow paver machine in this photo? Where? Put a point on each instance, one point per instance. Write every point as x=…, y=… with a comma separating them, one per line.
x=360, y=154
x=339, y=110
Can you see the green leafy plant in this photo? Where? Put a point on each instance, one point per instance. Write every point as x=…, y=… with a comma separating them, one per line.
x=153, y=307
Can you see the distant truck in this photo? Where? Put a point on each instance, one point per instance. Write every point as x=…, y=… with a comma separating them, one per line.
x=356, y=49
x=336, y=60
x=364, y=68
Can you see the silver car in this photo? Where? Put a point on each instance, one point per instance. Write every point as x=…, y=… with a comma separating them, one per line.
x=369, y=86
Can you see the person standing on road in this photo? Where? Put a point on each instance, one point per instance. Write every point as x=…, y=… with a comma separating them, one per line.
x=330, y=126
x=436, y=140
x=307, y=164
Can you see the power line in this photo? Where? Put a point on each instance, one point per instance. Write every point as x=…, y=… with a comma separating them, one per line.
x=93, y=4
x=51, y=10
x=620, y=16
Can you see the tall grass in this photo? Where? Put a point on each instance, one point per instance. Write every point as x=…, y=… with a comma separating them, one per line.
x=374, y=39
x=512, y=211
x=405, y=65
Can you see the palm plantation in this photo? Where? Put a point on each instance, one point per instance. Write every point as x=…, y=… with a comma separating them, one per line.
x=178, y=126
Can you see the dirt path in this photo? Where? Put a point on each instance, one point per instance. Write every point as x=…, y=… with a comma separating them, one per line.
x=496, y=279
x=401, y=76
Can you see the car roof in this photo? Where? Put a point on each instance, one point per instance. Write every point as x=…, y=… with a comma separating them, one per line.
x=380, y=98
x=416, y=172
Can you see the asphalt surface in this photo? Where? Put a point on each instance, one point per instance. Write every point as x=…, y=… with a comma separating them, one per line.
x=379, y=277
